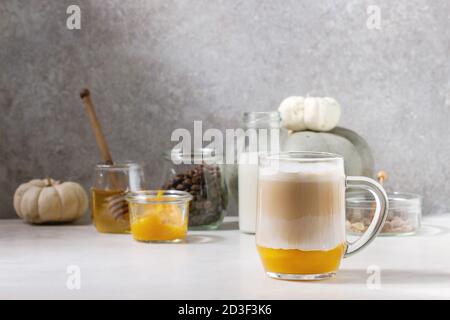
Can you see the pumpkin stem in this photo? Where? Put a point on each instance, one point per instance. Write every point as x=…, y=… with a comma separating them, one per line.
x=49, y=182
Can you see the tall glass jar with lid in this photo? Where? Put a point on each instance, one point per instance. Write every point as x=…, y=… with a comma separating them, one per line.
x=262, y=134
x=200, y=173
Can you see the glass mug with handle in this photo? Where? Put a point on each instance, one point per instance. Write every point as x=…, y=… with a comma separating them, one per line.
x=300, y=233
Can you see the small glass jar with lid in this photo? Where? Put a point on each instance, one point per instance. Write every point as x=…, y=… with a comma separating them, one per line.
x=200, y=174
x=404, y=215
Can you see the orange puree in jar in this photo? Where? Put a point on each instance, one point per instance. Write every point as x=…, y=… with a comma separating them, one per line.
x=292, y=261
x=158, y=222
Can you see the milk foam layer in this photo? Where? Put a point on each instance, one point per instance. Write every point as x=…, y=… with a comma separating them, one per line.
x=301, y=206
x=295, y=171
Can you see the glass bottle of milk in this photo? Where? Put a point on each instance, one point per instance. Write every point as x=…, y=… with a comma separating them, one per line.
x=262, y=135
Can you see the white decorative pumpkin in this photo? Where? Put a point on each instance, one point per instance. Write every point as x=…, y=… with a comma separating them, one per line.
x=292, y=112
x=316, y=114
x=49, y=201
x=358, y=158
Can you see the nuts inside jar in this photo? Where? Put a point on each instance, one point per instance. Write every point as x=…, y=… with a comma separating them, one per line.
x=396, y=222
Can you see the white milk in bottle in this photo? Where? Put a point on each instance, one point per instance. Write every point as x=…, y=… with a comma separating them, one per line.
x=265, y=127
x=248, y=191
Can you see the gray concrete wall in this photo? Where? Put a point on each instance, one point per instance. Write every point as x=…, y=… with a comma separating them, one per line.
x=157, y=65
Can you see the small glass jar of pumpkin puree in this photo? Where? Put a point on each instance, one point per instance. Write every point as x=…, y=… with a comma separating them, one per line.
x=159, y=216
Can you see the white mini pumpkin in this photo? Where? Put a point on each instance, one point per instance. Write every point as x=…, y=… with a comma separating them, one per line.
x=315, y=114
x=292, y=112
x=49, y=201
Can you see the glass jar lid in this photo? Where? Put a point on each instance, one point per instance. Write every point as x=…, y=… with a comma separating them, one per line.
x=204, y=154
x=397, y=200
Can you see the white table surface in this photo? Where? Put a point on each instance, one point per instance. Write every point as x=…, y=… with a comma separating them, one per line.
x=219, y=264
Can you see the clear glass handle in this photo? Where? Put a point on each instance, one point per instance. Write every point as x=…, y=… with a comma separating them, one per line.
x=381, y=210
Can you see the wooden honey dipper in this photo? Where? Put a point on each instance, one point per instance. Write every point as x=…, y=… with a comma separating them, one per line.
x=117, y=205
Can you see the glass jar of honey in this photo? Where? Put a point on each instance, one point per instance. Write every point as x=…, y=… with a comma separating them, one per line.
x=109, y=206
